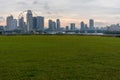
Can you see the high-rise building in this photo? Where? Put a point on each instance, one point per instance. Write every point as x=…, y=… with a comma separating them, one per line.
x=50, y=22
x=86, y=27
x=14, y=24
x=9, y=21
x=29, y=21
x=35, y=23
x=40, y=23
x=72, y=26
x=22, y=23
x=54, y=25
x=58, y=24
x=91, y=24
x=82, y=25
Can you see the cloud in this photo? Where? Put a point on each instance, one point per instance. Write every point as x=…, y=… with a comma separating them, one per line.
x=21, y=3
x=77, y=9
x=35, y=2
x=101, y=24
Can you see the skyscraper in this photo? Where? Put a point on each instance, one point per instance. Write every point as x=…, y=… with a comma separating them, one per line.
x=14, y=24
x=9, y=23
x=54, y=25
x=58, y=24
x=50, y=22
x=29, y=21
x=40, y=23
x=21, y=23
x=72, y=26
x=91, y=24
x=86, y=27
x=82, y=25
x=35, y=23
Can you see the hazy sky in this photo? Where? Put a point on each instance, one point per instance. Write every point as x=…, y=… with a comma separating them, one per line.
x=103, y=11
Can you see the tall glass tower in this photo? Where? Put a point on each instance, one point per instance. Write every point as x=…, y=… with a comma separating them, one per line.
x=91, y=24
x=9, y=22
x=50, y=24
x=29, y=21
x=58, y=24
x=40, y=23
x=82, y=25
x=22, y=23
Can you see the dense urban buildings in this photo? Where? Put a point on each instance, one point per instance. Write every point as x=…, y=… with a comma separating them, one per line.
x=31, y=24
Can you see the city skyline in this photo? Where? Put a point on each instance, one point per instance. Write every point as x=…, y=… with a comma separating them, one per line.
x=105, y=13
x=30, y=24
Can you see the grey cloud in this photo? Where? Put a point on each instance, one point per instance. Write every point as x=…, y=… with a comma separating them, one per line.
x=35, y=2
x=21, y=3
x=70, y=8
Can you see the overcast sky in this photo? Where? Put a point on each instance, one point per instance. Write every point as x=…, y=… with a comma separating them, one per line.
x=104, y=12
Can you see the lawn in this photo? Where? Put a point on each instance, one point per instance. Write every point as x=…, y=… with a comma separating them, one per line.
x=59, y=58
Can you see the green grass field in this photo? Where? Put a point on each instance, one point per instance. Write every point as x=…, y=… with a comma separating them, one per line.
x=59, y=58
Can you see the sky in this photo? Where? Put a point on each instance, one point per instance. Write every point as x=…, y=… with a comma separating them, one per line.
x=104, y=12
